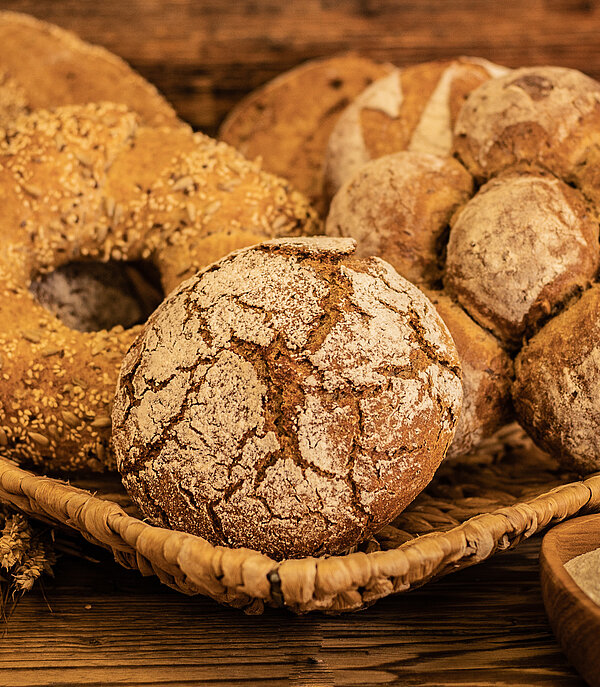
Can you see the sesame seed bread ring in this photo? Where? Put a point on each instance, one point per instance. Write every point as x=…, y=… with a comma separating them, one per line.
x=288, y=121
x=88, y=183
x=290, y=398
x=54, y=67
x=413, y=108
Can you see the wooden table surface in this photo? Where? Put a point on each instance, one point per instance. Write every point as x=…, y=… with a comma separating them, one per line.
x=482, y=626
x=109, y=626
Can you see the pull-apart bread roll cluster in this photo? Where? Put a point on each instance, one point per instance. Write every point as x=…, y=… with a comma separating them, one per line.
x=516, y=256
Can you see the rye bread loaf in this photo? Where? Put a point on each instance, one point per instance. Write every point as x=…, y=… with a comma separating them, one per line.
x=291, y=398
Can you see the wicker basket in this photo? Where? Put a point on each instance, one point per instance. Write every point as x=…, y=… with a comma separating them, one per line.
x=476, y=506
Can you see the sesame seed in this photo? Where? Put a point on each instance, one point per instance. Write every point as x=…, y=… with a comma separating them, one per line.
x=101, y=422
x=183, y=183
x=32, y=336
x=70, y=418
x=32, y=190
x=39, y=439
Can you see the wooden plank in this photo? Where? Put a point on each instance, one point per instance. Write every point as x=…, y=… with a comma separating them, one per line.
x=206, y=55
x=481, y=626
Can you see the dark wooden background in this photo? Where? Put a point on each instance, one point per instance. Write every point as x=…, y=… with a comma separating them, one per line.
x=205, y=54
x=483, y=626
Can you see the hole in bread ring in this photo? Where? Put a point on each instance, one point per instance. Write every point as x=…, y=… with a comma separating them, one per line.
x=87, y=183
x=91, y=296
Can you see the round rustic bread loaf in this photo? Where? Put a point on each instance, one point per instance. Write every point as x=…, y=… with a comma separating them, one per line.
x=519, y=250
x=410, y=109
x=291, y=398
x=287, y=122
x=547, y=117
x=399, y=207
x=87, y=183
x=557, y=384
x=51, y=67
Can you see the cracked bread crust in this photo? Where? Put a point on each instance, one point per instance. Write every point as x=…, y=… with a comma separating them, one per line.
x=87, y=183
x=291, y=398
x=518, y=251
x=556, y=391
x=399, y=207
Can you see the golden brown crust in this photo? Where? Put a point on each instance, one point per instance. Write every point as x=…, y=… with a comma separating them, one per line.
x=522, y=247
x=287, y=122
x=399, y=207
x=556, y=391
x=412, y=108
x=54, y=67
x=291, y=398
x=487, y=373
x=87, y=183
x=13, y=100
x=547, y=117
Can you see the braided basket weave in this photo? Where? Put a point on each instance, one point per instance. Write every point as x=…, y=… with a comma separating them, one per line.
x=475, y=506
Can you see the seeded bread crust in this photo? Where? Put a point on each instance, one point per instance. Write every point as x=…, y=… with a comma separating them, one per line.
x=291, y=398
x=88, y=183
x=519, y=250
x=399, y=208
x=53, y=67
x=557, y=391
x=410, y=109
x=287, y=122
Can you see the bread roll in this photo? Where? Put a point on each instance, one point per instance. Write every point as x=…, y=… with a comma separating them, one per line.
x=399, y=207
x=290, y=398
x=518, y=251
x=287, y=122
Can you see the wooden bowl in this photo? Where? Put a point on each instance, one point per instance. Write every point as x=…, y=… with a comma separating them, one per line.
x=574, y=617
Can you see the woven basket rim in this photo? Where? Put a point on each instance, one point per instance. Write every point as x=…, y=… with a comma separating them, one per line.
x=249, y=579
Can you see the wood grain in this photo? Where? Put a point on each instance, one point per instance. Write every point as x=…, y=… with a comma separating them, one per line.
x=482, y=626
x=205, y=55
x=574, y=617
